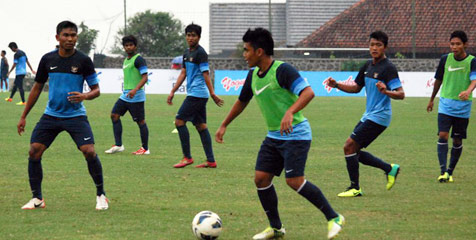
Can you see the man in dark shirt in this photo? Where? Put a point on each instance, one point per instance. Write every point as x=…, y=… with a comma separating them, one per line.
x=66, y=69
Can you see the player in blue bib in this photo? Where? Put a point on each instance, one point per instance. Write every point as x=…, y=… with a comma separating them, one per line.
x=66, y=69
x=3, y=72
x=380, y=79
x=199, y=88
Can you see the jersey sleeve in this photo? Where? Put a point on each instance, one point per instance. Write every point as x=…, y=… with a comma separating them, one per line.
x=89, y=73
x=141, y=65
x=246, y=93
x=392, y=79
x=289, y=78
x=203, y=60
x=472, y=74
x=42, y=72
x=440, y=71
x=16, y=57
x=360, y=79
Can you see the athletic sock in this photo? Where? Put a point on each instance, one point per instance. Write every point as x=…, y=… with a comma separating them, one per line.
x=353, y=169
x=369, y=159
x=144, y=135
x=269, y=201
x=35, y=174
x=442, y=149
x=117, y=128
x=207, y=144
x=456, y=151
x=184, y=140
x=95, y=170
x=314, y=195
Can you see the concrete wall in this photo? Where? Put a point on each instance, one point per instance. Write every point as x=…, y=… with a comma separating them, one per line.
x=302, y=64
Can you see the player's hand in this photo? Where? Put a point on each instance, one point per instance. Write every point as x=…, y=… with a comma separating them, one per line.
x=219, y=134
x=76, y=97
x=287, y=124
x=131, y=93
x=464, y=95
x=21, y=126
x=33, y=71
x=382, y=88
x=218, y=101
x=331, y=82
x=170, y=97
x=429, y=108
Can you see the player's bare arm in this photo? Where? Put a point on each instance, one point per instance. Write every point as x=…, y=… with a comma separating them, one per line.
x=32, y=98
x=218, y=101
x=464, y=95
x=179, y=82
x=436, y=88
x=77, y=97
x=398, y=93
x=353, y=88
x=235, y=111
x=142, y=82
x=305, y=97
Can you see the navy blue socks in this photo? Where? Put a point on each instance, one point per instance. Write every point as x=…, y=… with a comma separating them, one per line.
x=95, y=170
x=144, y=135
x=117, y=127
x=455, y=154
x=314, y=195
x=269, y=201
x=35, y=174
x=207, y=144
x=184, y=140
x=368, y=159
x=353, y=169
x=442, y=150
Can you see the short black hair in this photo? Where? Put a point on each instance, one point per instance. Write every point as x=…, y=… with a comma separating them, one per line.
x=4, y=52
x=66, y=24
x=380, y=36
x=129, y=39
x=194, y=28
x=260, y=38
x=459, y=34
x=13, y=45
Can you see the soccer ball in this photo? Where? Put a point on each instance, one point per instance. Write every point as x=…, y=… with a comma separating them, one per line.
x=206, y=225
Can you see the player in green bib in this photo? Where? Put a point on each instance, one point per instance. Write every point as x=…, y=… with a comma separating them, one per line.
x=456, y=75
x=281, y=94
x=132, y=98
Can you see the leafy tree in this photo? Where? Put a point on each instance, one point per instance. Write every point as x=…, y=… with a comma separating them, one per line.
x=86, y=38
x=158, y=34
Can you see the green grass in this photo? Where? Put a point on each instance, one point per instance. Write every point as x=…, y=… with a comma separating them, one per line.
x=151, y=200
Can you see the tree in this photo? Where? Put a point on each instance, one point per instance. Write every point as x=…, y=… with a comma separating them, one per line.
x=158, y=34
x=86, y=38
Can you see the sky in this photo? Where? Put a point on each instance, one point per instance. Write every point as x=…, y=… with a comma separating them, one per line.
x=32, y=23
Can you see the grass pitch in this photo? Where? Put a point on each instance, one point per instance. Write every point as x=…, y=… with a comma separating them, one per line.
x=151, y=200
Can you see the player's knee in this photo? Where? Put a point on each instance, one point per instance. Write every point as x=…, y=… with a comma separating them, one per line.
x=114, y=117
x=457, y=141
x=140, y=122
x=36, y=151
x=179, y=122
x=294, y=183
x=443, y=135
x=201, y=127
x=349, y=147
x=262, y=182
x=89, y=152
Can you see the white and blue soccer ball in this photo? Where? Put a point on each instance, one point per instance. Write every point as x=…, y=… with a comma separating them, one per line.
x=206, y=225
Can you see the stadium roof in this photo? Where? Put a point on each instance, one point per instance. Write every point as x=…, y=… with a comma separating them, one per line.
x=434, y=22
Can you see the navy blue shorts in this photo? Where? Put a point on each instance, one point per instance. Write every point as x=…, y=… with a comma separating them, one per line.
x=136, y=109
x=458, y=125
x=274, y=155
x=49, y=127
x=366, y=132
x=193, y=109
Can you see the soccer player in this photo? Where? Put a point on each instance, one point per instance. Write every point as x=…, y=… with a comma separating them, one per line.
x=67, y=69
x=456, y=75
x=199, y=88
x=132, y=98
x=380, y=79
x=3, y=71
x=19, y=62
x=281, y=94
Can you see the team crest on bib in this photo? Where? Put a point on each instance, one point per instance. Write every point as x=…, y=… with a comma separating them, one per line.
x=74, y=69
x=375, y=75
